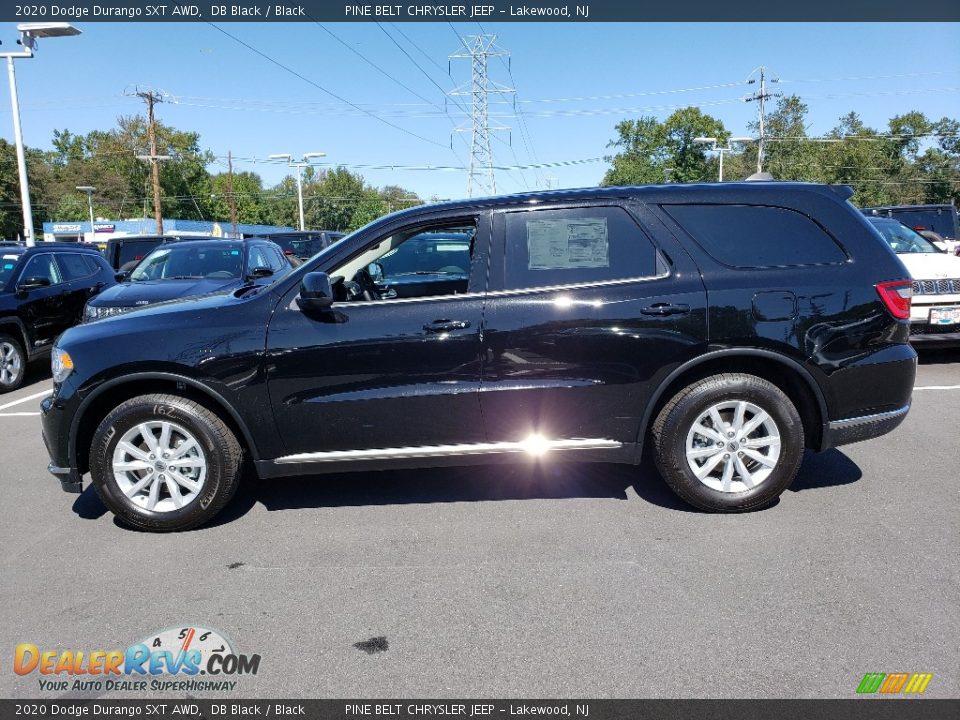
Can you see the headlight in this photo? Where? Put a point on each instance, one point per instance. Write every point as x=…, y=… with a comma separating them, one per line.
x=92, y=312
x=61, y=364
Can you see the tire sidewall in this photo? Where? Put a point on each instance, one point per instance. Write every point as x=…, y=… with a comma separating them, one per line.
x=768, y=398
x=4, y=338
x=105, y=442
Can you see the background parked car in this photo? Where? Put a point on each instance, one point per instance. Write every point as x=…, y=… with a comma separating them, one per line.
x=42, y=293
x=935, y=311
x=183, y=269
x=303, y=245
x=941, y=219
x=123, y=253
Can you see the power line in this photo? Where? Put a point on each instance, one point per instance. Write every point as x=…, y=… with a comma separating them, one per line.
x=323, y=89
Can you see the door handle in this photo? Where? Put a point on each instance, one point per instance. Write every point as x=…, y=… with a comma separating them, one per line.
x=438, y=326
x=662, y=309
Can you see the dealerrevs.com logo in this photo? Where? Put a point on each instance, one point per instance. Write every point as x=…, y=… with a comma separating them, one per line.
x=170, y=660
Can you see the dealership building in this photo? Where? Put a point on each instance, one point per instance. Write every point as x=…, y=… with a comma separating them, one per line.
x=103, y=230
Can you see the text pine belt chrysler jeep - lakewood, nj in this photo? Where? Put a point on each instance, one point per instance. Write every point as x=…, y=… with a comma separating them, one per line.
x=725, y=328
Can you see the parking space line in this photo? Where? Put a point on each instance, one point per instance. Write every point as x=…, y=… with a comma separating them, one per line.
x=23, y=400
x=929, y=387
x=19, y=414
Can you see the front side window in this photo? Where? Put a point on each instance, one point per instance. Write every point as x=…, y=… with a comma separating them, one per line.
x=42, y=266
x=575, y=245
x=413, y=262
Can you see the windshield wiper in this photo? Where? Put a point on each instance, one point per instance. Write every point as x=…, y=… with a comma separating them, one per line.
x=184, y=277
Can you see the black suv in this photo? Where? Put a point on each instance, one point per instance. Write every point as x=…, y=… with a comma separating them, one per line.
x=186, y=268
x=726, y=326
x=42, y=292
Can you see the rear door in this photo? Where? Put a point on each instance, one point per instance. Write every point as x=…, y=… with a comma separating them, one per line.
x=583, y=318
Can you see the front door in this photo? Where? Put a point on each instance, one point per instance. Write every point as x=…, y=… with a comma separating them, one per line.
x=384, y=369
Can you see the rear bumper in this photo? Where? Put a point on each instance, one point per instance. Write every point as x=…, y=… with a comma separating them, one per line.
x=865, y=427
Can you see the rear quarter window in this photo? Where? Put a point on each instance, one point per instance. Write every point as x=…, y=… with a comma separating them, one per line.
x=757, y=236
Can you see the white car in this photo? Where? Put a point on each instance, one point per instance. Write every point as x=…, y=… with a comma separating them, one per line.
x=935, y=310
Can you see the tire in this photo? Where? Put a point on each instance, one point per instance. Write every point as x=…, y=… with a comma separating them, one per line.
x=743, y=474
x=127, y=468
x=13, y=363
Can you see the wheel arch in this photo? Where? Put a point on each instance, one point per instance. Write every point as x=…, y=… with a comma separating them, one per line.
x=110, y=394
x=784, y=372
x=16, y=326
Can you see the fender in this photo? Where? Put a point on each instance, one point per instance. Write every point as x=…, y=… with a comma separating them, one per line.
x=732, y=352
x=132, y=378
x=29, y=349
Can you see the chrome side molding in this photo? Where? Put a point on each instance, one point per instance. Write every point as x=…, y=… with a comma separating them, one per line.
x=533, y=445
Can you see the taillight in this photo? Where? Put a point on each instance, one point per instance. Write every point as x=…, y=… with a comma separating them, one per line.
x=896, y=295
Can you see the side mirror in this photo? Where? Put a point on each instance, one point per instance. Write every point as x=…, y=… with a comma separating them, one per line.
x=33, y=283
x=259, y=272
x=122, y=276
x=316, y=293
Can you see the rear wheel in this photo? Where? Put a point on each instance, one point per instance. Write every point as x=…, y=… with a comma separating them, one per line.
x=13, y=363
x=164, y=463
x=729, y=443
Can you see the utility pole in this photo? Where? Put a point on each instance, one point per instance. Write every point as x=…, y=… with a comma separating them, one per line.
x=230, y=194
x=150, y=97
x=477, y=49
x=759, y=98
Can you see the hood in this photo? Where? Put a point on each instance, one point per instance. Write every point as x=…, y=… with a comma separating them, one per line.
x=931, y=266
x=147, y=292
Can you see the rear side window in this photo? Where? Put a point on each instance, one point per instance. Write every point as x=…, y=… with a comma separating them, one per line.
x=757, y=236
x=76, y=266
x=575, y=245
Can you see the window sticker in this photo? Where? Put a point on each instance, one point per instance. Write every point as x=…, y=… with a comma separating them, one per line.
x=567, y=244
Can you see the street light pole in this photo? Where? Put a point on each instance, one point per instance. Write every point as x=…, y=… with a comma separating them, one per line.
x=712, y=141
x=299, y=165
x=29, y=32
x=89, y=190
x=21, y=156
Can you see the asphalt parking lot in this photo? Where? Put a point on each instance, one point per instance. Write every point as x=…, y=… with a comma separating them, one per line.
x=572, y=581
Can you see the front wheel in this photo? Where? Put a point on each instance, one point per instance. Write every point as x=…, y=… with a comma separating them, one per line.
x=164, y=463
x=729, y=443
x=13, y=363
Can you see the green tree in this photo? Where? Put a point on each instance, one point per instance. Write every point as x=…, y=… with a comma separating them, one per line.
x=653, y=152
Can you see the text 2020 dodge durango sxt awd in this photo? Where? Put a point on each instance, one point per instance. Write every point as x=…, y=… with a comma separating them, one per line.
x=726, y=326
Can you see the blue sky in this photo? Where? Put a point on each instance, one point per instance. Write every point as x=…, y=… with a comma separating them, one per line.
x=574, y=82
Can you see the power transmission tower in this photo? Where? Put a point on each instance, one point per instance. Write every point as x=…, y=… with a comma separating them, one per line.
x=478, y=48
x=760, y=97
x=150, y=98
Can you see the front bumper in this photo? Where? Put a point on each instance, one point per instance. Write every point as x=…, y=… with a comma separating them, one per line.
x=865, y=427
x=55, y=430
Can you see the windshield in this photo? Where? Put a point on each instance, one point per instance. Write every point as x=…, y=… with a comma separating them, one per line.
x=902, y=239
x=179, y=261
x=7, y=266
